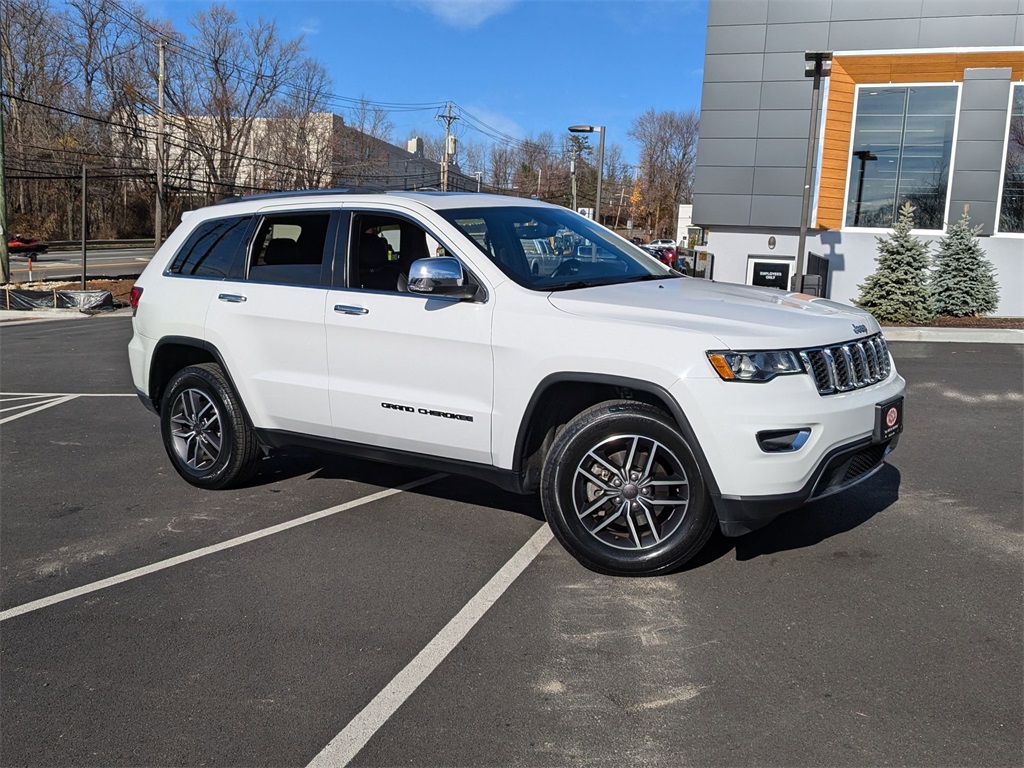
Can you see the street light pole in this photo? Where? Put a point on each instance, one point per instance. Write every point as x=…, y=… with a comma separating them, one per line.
x=863, y=155
x=600, y=161
x=818, y=64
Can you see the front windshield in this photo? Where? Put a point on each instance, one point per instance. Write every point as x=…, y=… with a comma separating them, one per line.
x=550, y=249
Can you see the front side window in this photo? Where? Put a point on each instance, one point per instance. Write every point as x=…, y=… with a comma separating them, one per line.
x=902, y=149
x=211, y=249
x=549, y=249
x=1011, y=211
x=381, y=248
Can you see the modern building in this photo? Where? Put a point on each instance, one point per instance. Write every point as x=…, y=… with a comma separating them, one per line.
x=924, y=103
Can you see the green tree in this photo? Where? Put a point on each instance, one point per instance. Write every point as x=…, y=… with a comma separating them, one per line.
x=898, y=291
x=963, y=281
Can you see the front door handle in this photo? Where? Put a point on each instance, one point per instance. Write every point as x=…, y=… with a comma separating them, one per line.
x=349, y=310
x=233, y=298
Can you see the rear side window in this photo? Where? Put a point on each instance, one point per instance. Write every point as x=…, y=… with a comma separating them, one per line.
x=211, y=249
x=289, y=248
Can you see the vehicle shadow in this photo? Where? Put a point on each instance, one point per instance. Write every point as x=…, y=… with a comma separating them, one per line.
x=804, y=527
x=323, y=466
x=820, y=520
x=809, y=525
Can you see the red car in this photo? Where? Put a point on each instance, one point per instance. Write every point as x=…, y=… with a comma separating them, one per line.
x=26, y=245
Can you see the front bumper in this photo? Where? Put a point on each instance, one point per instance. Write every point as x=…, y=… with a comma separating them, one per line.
x=752, y=484
x=840, y=469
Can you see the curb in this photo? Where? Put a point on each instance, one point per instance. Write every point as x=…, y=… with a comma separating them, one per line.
x=12, y=317
x=963, y=335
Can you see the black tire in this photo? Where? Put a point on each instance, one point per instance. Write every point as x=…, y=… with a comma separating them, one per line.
x=205, y=430
x=607, y=469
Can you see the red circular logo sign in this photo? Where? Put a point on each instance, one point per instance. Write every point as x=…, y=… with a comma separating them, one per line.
x=892, y=417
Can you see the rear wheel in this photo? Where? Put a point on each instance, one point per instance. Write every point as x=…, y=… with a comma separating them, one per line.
x=205, y=431
x=623, y=493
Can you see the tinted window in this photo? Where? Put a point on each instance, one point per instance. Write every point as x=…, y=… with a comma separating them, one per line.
x=211, y=249
x=383, y=247
x=289, y=248
x=1011, y=214
x=902, y=146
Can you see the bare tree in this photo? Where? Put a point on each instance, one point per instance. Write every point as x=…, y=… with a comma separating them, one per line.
x=229, y=77
x=297, y=141
x=361, y=153
x=37, y=71
x=668, y=143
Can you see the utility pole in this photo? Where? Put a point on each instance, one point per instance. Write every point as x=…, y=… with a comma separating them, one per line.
x=85, y=221
x=5, y=260
x=448, y=118
x=158, y=218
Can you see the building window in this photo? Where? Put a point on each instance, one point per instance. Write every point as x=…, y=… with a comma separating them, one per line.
x=1011, y=210
x=902, y=148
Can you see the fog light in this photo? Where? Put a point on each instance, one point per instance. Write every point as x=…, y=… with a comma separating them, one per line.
x=783, y=440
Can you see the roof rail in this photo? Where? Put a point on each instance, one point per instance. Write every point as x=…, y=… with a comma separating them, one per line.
x=303, y=193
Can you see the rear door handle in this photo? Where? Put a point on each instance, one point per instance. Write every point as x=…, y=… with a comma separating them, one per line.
x=349, y=310
x=233, y=298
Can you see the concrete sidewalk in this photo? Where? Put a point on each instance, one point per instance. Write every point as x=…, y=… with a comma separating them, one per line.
x=971, y=335
x=12, y=317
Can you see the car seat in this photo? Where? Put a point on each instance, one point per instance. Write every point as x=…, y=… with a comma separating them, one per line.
x=376, y=272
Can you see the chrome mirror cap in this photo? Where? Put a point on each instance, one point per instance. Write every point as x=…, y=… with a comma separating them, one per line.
x=440, y=275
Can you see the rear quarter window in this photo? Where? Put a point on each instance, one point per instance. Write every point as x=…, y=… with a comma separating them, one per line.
x=211, y=250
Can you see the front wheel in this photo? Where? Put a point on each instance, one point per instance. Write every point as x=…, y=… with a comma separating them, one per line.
x=205, y=431
x=623, y=493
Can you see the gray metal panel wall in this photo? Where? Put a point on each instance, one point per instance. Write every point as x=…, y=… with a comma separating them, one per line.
x=981, y=134
x=753, y=67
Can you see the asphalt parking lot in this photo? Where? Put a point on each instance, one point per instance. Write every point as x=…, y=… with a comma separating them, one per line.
x=336, y=610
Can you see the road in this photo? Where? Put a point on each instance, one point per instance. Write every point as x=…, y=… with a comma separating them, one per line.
x=67, y=265
x=339, y=598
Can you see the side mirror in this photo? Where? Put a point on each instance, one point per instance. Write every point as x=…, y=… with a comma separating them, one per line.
x=440, y=276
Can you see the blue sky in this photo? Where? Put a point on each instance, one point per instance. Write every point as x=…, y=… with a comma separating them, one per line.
x=520, y=66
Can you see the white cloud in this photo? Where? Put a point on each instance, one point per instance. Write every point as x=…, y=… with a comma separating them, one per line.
x=495, y=121
x=310, y=26
x=465, y=14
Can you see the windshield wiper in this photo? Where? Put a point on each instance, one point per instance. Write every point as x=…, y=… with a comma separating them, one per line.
x=641, y=278
x=577, y=284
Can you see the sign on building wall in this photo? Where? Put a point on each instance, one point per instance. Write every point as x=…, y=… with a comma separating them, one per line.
x=769, y=273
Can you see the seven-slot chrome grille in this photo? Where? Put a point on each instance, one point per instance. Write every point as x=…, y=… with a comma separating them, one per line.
x=845, y=367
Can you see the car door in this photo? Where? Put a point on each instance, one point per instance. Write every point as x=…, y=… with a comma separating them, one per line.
x=268, y=324
x=407, y=372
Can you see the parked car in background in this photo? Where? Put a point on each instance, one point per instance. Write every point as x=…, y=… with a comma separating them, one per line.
x=663, y=243
x=540, y=256
x=26, y=246
x=666, y=254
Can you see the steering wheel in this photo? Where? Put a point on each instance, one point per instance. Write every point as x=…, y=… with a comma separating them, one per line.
x=567, y=267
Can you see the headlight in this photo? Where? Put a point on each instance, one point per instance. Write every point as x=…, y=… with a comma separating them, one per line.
x=754, y=366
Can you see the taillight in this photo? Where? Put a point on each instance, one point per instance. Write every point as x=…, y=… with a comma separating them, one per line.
x=134, y=296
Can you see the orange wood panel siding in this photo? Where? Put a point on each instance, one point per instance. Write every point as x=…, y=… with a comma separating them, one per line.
x=849, y=71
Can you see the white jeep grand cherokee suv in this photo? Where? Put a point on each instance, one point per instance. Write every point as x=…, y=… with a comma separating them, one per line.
x=646, y=407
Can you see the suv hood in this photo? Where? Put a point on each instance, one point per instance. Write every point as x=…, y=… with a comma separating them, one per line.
x=739, y=316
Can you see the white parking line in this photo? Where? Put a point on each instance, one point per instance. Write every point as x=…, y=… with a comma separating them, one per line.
x=346, y=745
x=145, y=570
x=18, y=395
x=48, y=404
x=55, y=398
